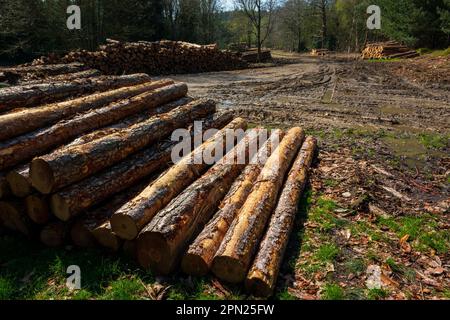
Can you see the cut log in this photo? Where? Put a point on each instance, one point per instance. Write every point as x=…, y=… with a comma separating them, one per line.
x=19, y=181
x=23, y=148
x=263, y=274
x=90, y=73
x=133, y=216
x=76, y=198
x=163, y=240
x=198, y=258
x=4, y=186
x=16, y=217
x=54, y=234
x=16, y=123
x=32, y=95
x=49, y=69
x=57, y=170
x=106, y=237
x=81, y=232
x=38, y=208
x=234, y=256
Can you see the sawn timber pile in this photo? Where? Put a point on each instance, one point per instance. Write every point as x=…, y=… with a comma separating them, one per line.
x=388, y=50
x=155, y=58
x=102, y=169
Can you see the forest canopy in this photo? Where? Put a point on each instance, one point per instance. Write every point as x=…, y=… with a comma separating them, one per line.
x=30, y=28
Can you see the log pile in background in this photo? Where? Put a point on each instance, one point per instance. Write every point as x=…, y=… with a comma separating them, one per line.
x=155, y=58
x=101, y=174
x=251, y=56
x=319, y=52
x=387, y=50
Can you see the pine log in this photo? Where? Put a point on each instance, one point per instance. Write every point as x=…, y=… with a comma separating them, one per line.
x=16, y=123
x=16, y=217
x=234, y=256
x=49, y=69
x=133, y=216
x=263, y=274
x=76, y=198
x=57, y=170
x=38, y=209
x=23, y=148
x=106, y=237
x=82, y=230
x=163, y=240
x=90, y=73
x=198, y=258
x=32, y=95
x=4, y=186
x=19, y=181
x=55, y=234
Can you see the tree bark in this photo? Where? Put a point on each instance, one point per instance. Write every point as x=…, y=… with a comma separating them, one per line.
x=38, y=209
x=23, y=148
x=90, y=73
x=32, y=95
x=19, y=181
x=133, y=216
x=263, y=274
x=47, y=69
x=16, y=123
x=15, y=216
x=78, y=197
x=233, y=258
x=198, y=258
x=162, y=241
x=4, y=186
x=81, y=232
x=57, y=170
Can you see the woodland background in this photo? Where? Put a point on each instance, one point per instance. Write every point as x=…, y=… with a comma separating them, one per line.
x=29, y=28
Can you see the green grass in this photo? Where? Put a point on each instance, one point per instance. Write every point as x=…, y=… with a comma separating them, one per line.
x=377, y=294
x=441, y=53
x=434, y=141
x=355, y=266
x=333, y=291
x=384, y=60
x=327, y=252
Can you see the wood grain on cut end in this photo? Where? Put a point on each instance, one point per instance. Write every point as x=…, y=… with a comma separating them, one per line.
x=41, y=176
x=124, y=226
x=37, y=209
x=194, y=265
x=106, y=238
x=59, y=207
x=258, y=287
x=153, y=253
x=20, y=184
x=81, y=236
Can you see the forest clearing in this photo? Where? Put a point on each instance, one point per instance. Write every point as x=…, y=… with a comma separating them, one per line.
x=254, y=150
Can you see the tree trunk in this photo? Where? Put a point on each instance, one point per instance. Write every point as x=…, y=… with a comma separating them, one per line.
x=55, y=234
x=23, y=148
x=263, y=274
x=133, y=216
x=19, y=181
x=4, y=186
x=76, y=198
x=15, y=216
x=197, y=260
x=57, y=170
x=234, y=256
x=162, y=241
x=81, y=232
x=16, y=123
x=35, y=94
x=38, y=208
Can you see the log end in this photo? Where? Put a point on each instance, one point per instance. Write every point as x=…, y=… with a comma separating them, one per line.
x=194, y=265
x=153, y=253
x=257, y=287
x=41, y=176
x=107, y=239
x=59, y=207
x=228, y=269
x=20, y=185
x=37, y=209
x=81, y=236
x=124, y=226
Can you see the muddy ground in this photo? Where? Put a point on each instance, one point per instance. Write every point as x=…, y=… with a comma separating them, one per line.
x=379, y=194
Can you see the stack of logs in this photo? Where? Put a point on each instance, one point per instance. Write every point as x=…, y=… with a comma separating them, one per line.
x=251, y=55
x=319, y=52
x=387, y=50
x=90, y=164
x=155, y=58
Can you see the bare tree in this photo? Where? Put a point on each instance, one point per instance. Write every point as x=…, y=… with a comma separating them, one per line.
x=260, y=13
